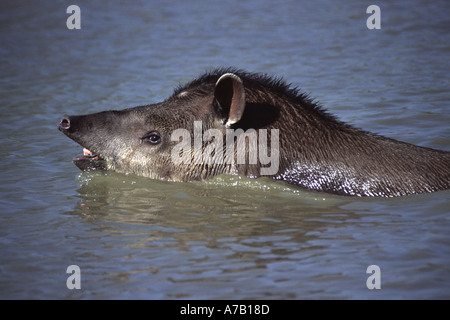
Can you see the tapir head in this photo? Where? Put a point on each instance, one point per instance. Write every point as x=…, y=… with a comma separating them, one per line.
x=140, y=140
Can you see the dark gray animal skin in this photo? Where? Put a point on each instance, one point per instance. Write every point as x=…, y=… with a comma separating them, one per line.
x=316, y=151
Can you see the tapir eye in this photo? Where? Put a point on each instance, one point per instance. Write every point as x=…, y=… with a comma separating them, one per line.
x=152, y=137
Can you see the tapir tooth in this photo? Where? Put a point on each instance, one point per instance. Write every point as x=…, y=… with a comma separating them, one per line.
x=87, y=152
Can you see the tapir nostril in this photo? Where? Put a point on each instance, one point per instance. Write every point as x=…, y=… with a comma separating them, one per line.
x=64, y=123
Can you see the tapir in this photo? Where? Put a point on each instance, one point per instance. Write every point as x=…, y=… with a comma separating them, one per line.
x=196, y=134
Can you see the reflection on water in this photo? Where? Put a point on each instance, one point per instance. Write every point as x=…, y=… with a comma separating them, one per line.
x=221, y=203
x=184, y=240
x=206, y=234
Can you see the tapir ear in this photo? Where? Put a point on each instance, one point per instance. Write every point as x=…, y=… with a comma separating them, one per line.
x=230, y=96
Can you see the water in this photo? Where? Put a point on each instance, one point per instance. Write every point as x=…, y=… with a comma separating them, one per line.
x=230, y=237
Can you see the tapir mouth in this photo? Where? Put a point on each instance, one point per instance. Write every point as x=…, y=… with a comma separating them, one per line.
x=88, y=154
x=89, y=161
